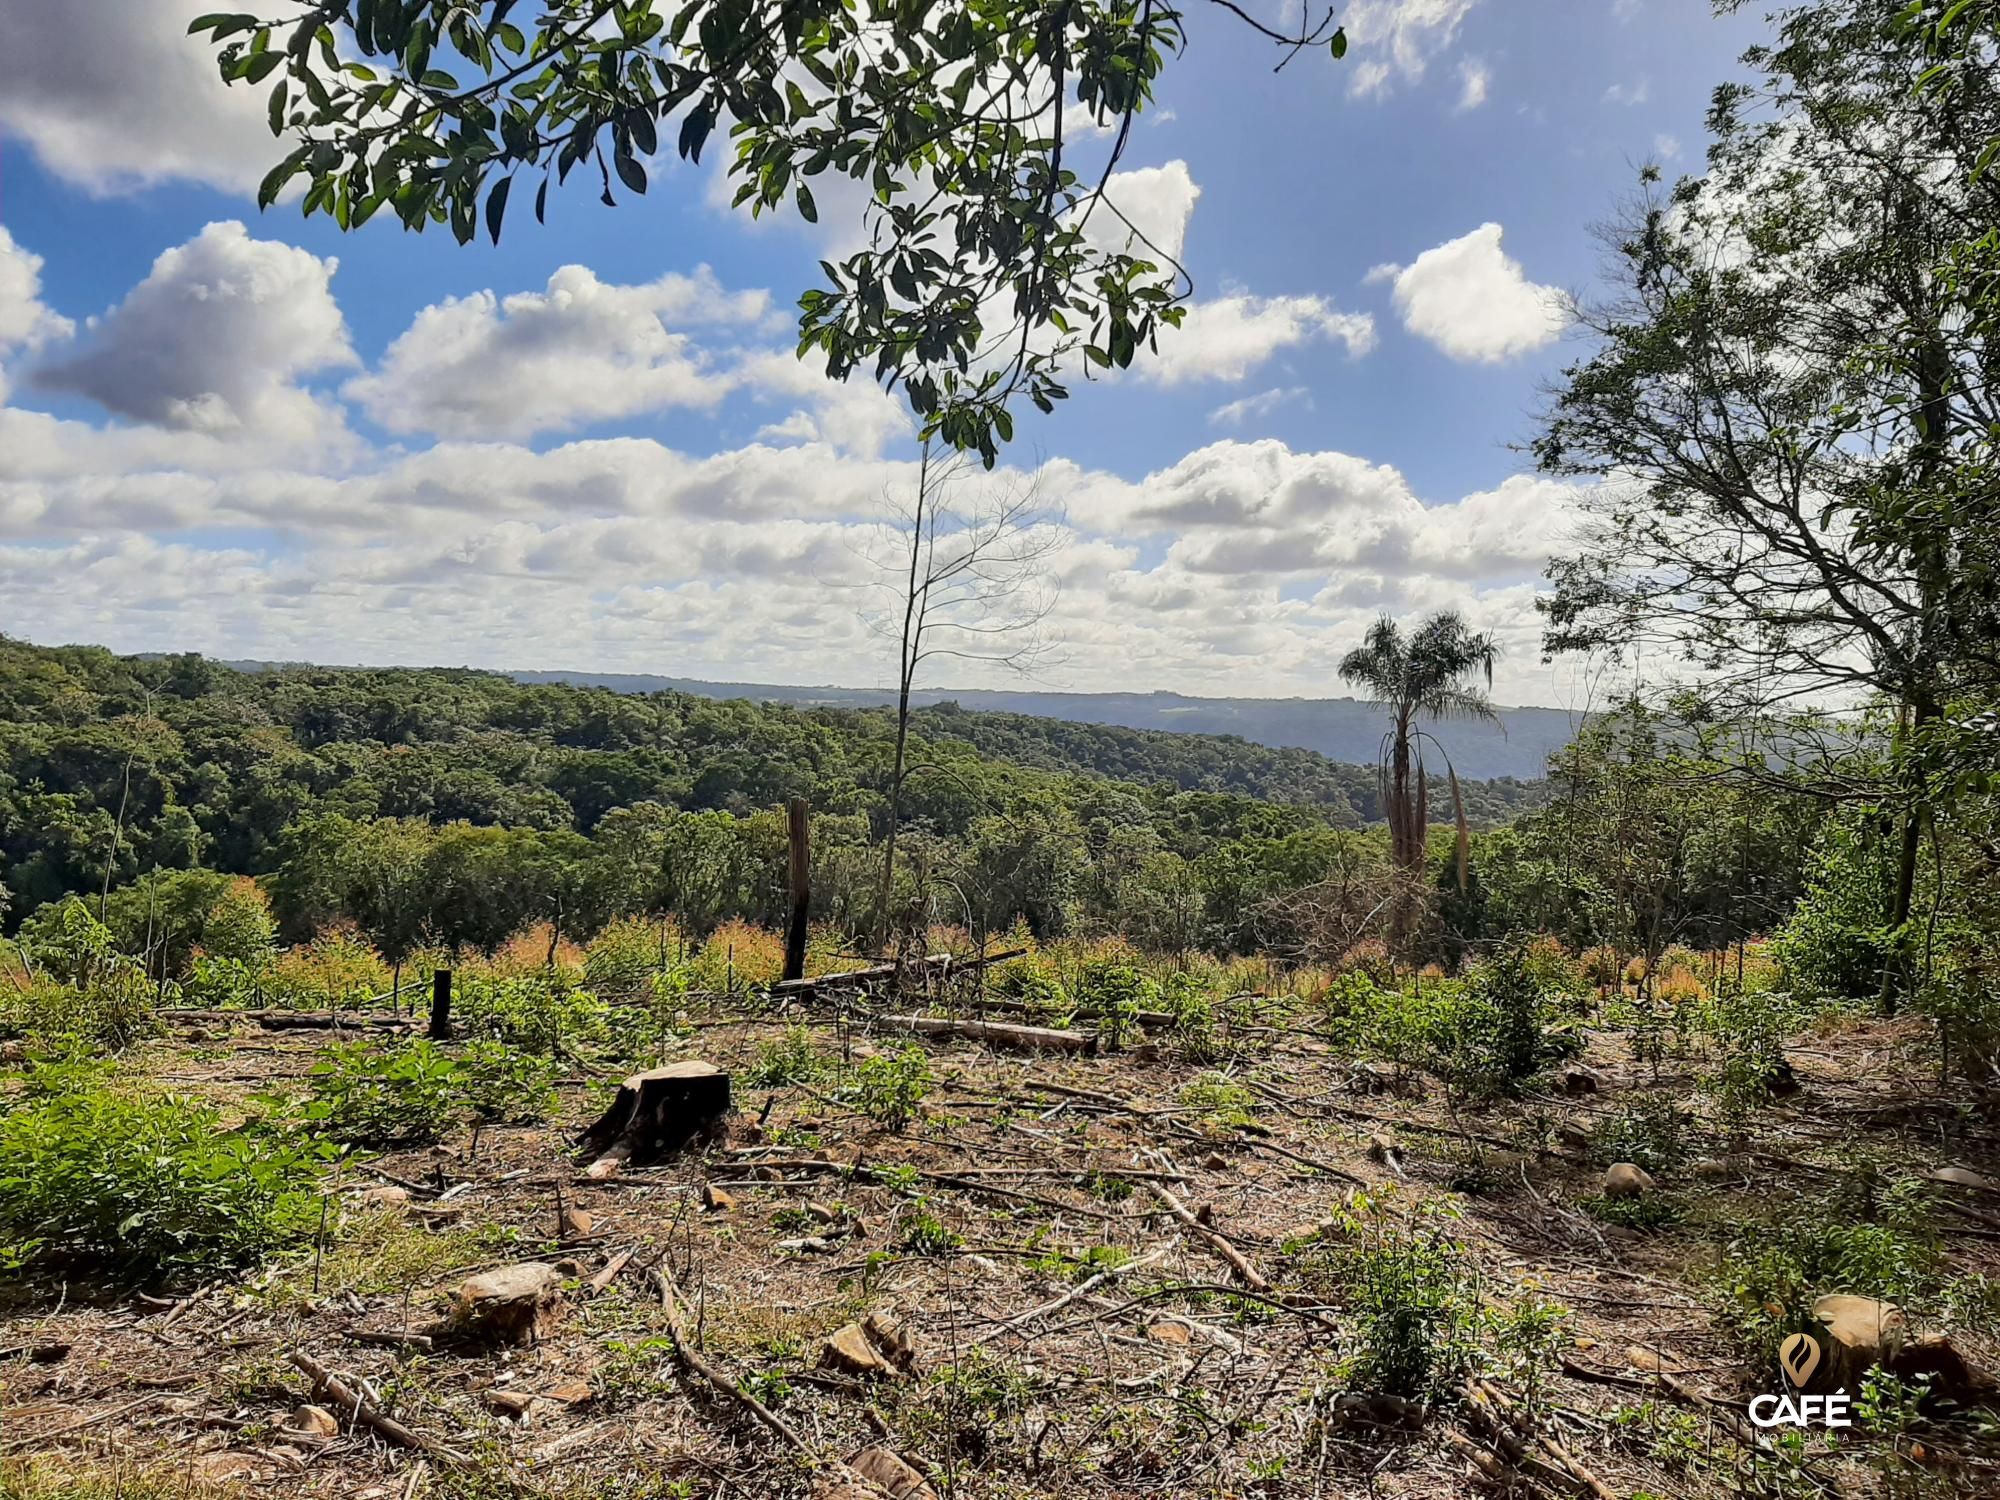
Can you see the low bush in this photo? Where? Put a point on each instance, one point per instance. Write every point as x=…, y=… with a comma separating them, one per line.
x=544, y=1013
x=415, y=1092
x=144, y=1185
x=889, y=1088
x=790, y=1059
x=1408, y=1287
x=112, y=1009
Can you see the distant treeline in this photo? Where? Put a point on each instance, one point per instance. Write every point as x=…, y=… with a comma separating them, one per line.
x=457, y=806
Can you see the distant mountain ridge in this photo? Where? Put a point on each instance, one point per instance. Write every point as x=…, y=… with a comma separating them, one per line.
x=1341, y=729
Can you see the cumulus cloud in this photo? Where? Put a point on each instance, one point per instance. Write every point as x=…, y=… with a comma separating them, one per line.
x=607, y=551
x=1471, y=299
x=1145, y=211
x=214, y=341
x=114, y=94
x=1395, y=40
x=26, y=322
x=579, y=351
x=1629, y=94
x=1225, y=338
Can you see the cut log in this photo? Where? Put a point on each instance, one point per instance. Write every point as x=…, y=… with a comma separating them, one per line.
x=294, y=1020
x=874, y=972
x=658, y=1113
x=997, y=1033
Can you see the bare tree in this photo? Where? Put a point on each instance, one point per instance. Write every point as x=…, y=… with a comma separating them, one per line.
x=967, y=576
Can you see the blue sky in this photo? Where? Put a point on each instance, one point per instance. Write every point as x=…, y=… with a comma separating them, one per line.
x=278, y=440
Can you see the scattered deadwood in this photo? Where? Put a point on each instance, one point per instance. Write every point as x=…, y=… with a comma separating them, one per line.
x=1539, y=1453
x=657, y=1113
x=1237, y=1261
x=934, y=966
x=684, y=1347
x=326, y=1383
x=294, y=1020
x=996, y=1033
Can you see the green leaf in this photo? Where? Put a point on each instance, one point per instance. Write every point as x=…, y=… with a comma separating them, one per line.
x=1338, y=45
x=629, y=171
x=808, y=210
x=222, y=23
x=496, y=206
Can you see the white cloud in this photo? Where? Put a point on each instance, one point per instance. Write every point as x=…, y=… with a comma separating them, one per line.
x=855, y=416
x=214, y=341
x=114, y=94
x=1397, y=39
x=1245, y=408
x=578, y=352
x=1474, y=78
x=1629, y=94
x=27, y=324
x=1145, y=211
x=1226, y=337
x=1470, y=298
x=1666, y=147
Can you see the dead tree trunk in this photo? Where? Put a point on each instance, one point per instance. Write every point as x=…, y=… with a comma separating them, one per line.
x=801, y=889
x=657, y=1113
x=441, y=1006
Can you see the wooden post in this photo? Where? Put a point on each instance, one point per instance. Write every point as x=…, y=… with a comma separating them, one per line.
x=441, y=1006
x=795, y=926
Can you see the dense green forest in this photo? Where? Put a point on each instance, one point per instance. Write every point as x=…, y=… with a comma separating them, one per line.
x=385, y=797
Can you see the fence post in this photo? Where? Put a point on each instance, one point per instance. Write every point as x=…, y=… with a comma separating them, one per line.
x=441, y=1005
x=801, y=889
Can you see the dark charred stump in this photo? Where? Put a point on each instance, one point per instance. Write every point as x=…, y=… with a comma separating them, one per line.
x=657, y=1113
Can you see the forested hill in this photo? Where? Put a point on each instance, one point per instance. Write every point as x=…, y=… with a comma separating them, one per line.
x=1346, y=730
x=1202, y=762
x=111, y=766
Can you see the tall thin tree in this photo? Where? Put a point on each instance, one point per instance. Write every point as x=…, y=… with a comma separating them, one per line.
x=1421, y=676
x=967, y=568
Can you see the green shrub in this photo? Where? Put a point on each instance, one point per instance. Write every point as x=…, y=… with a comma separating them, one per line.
x=1851, y=1241
x=1116, y=992
x=1186, y=999
x=147, y=1184
x=415, y=1092
x=1502, y=1029
x=1837, y=942
x=1223, y=1102
x=1410, y=1295
x=1040, y=996
x=112, y=1009
x=1651, y=1132
x=542, y=1013
x=790, y=1059
x=221, y=983
x=890, y=1088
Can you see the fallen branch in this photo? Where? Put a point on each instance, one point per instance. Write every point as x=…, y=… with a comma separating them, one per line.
x=997, y=1033
x=672, y=1305
x=1250, y=1275
x=854, y=977
x=1102, y=1278
x=326, y=1383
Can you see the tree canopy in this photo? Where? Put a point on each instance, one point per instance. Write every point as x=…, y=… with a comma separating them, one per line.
x=992, y=252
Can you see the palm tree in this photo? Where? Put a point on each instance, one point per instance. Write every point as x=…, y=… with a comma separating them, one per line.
x=1421, y=676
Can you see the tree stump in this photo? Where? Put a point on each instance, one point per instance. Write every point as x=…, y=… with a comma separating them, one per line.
x=656, y=1113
